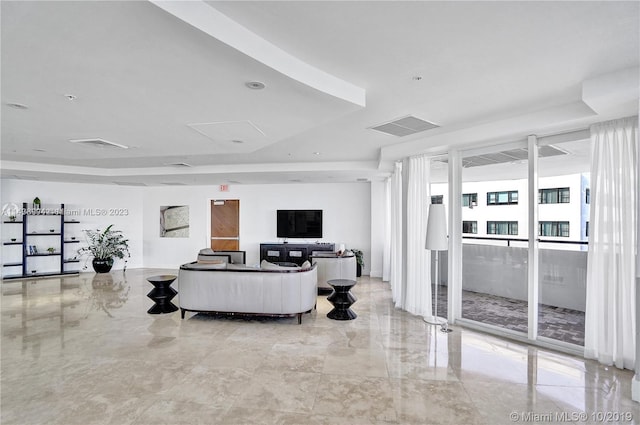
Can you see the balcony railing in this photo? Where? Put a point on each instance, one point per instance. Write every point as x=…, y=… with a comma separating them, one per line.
x=501, y=271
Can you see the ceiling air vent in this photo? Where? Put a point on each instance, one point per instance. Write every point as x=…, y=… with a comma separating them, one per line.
x=404, y=126
x=179, y=164
x=99, y=143
x=173, y=184
x=512, y=155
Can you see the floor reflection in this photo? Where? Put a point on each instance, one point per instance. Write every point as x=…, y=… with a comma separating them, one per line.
x=79, y=350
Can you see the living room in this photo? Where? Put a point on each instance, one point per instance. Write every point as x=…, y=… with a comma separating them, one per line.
x=120, y=109
x=346, y=207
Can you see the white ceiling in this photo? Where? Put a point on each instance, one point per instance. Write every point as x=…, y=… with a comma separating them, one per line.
x=144, y=78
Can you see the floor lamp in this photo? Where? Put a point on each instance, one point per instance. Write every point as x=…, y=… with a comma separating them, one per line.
x=436, y=241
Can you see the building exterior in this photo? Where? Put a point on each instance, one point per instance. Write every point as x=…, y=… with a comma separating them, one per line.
x=499, y=209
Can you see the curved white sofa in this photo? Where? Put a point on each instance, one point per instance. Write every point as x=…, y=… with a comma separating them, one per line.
x=246, y=290
x=332, y=266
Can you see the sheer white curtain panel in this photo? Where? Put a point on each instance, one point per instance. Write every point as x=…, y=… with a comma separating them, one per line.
x=386, y=250
x=610, y=307
x=395, y=249
x=418, y=280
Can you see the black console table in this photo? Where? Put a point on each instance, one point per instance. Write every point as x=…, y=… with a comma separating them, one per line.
x=292, y=252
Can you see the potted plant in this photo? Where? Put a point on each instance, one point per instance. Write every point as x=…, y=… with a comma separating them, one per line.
x=359, y=261
x=104, y=246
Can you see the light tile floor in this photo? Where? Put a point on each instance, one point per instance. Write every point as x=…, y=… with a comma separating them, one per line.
x=81, y=351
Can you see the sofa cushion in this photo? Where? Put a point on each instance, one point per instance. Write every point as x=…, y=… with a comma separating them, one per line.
x=204, y=260
x=306, y=265
x=206, y=251
x=206, y=266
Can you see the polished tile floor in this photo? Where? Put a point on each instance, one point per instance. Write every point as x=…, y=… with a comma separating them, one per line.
x=83, y=350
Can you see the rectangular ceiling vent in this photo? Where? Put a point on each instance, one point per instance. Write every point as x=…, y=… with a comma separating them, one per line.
x=99, y=143
x=179, y=164
x=173, y=184
x=512, y=155
x=405, y=126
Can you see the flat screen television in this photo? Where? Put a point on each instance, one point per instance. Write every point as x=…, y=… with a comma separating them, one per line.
x=299, y=223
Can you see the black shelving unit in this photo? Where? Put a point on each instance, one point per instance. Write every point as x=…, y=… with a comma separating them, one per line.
x=26, y=235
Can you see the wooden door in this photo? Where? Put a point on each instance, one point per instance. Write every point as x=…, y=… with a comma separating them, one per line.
x=225, y=225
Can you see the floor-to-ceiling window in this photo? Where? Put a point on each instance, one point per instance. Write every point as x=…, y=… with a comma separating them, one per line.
x=494, y=232
x=563, y=226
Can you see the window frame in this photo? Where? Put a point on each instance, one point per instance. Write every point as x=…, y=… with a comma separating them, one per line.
x=493, y=198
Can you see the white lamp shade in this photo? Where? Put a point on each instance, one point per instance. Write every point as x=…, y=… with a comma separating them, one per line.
x=436, y=228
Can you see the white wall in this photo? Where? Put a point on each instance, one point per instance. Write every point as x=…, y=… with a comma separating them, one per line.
x=346, y=217
x=123, y=206
x=377, y=228
x=346, y=214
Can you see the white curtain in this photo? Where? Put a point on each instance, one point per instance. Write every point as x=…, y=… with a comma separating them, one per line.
x=610, y=308
x=418, y=281
x=386, y=252
x=395, y=231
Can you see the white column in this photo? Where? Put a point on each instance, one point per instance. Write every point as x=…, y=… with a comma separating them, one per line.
x=454, y=267
x=532, y=232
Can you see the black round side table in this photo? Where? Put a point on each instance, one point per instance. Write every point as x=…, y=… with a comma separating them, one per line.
x=162, y=294
x=341, y=299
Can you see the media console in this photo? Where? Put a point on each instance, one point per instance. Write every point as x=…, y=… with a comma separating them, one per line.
x=292, y=252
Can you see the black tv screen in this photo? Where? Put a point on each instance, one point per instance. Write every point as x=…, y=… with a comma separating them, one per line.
x=299, y=223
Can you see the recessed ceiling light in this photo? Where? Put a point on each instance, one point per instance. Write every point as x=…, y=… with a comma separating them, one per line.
x=255, y=85
x=237, y=141
x=17, y=106
x=71, y=96
x=416, y=78
x=39, y=150
x=316, y=153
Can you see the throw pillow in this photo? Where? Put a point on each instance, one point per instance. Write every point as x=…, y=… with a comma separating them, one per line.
x=306, y=265
x=264, y=264
x=206, y=251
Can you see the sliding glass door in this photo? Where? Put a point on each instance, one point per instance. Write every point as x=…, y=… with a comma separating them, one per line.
x=563, y=229
x=494, y=228
x=524, y=230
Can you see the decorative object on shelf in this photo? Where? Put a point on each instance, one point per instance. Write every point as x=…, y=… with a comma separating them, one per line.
x=11, y=211
x=36, y=203
x=13, y=239
x=359, y=261
x=73, y=238
x=52, y=230
x=51, y=250
x=34, y=271
x=104, y=246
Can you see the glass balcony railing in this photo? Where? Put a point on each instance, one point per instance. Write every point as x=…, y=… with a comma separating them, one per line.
x=494, y=284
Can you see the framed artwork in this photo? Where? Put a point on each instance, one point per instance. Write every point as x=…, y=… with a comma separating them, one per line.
x=174, y=221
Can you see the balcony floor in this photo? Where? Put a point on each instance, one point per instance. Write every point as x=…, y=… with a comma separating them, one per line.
x=557, y=323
